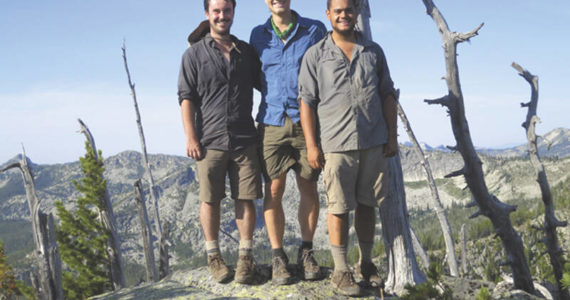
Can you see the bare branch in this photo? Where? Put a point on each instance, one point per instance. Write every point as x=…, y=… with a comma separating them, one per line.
x=471, y=204
x=455, y=173
x=476, y=214
x=11, y=166
x=443, y=101
x=462, y=37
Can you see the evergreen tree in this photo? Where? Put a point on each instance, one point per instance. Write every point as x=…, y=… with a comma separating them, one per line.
x=7, y=281
x=81, y=236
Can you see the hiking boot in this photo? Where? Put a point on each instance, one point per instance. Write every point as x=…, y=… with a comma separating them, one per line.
x=280, y=275
x=218, y=268
x=369, y=274
x=245, y=270
x=307, y=265
x=343, y=283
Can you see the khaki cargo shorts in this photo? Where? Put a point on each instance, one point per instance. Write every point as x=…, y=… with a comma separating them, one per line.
x=242, y=167
x=353, y=177
x=284, y=148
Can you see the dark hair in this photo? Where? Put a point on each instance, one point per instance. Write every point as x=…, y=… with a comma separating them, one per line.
x=355, y=3
x=207, y=4
x=200, y=32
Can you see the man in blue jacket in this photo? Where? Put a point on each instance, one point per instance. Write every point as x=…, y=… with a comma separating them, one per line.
x=281, y=43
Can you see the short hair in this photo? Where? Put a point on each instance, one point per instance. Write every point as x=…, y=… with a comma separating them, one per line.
x=355, y=3
x=207, y=4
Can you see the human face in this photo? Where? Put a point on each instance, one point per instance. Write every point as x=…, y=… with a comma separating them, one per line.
x=278, y=6
x=220, y=14
x=342, y=15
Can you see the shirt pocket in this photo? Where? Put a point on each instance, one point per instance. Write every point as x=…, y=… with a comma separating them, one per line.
x=367, y=71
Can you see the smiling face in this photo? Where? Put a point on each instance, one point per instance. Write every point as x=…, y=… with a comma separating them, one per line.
x=342, y=15
x=278, y=6
x=220, y=14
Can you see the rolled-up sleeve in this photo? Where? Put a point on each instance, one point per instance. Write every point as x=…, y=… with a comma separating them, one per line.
x=187, y=79
x=308, y=84
x=386, y=84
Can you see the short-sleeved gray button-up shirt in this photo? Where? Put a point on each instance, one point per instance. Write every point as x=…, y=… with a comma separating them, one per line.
x=347, y=95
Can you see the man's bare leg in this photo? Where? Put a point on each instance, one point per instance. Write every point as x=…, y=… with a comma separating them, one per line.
x=273, y=210
x=210, y=220
x=308, y=208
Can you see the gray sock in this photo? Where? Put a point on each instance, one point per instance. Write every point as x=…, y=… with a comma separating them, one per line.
x=365, y=249
x=212, y=247
x=245, y=247
x=339, y=257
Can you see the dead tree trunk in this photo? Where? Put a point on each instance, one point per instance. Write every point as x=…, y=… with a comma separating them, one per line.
x=47, y=251
x=463, y=251
x=419, y=249
x=107, y=218
x=153, y=192
x=146, y=234
x=550, y=220
x=489, y=205
x=436, y=202
x=402, y=265
x=164, y=269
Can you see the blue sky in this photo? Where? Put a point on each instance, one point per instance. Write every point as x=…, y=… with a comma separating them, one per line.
x=61, y=60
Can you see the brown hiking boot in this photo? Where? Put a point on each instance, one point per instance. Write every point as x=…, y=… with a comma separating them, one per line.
x=343, y=283
x=245, y=270
x=280, y=275
x=369, y=274
x=218, y=268
x=307, y=265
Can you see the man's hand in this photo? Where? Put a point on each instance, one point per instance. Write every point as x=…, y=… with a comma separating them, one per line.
x=391, y=148
x=315, y=157
x=193, y=149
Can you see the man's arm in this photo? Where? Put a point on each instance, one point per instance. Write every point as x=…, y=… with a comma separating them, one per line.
x=309, y=125
x=390, y=116
x=193, y=148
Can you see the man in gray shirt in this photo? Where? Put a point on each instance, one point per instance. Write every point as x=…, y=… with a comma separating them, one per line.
x=215, y=92
x=348, y=112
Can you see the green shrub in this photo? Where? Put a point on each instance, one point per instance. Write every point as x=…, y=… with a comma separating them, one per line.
x=483, y=294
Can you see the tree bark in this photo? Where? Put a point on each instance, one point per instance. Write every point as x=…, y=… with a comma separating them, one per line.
x=550, y=220
x=402, y=265
x=107, y=217
x=489, y=205
x=146, y=234
x=47, y=251
x=153, y=192
x=436, y=202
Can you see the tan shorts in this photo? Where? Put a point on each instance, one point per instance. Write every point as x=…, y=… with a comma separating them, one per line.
x=284, y=148
x=243, y=169
x=353, y=177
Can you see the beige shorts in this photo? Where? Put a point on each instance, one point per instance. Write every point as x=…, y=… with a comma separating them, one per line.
x=242, y=167
x=284, y=148
x=353, y=177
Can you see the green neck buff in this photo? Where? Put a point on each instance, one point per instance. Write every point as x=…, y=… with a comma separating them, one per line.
x=283, y=35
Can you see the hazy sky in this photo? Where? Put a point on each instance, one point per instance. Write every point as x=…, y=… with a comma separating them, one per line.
x=61, y=60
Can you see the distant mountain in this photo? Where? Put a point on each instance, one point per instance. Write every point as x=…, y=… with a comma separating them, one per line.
x=555, y=143
x=508, y=176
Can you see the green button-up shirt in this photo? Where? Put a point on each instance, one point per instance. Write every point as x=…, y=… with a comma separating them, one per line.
x=347, y=95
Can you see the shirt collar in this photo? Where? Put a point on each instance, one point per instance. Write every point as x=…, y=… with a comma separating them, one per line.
x=361, y=40
x=210, y=42
x=301, y=22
